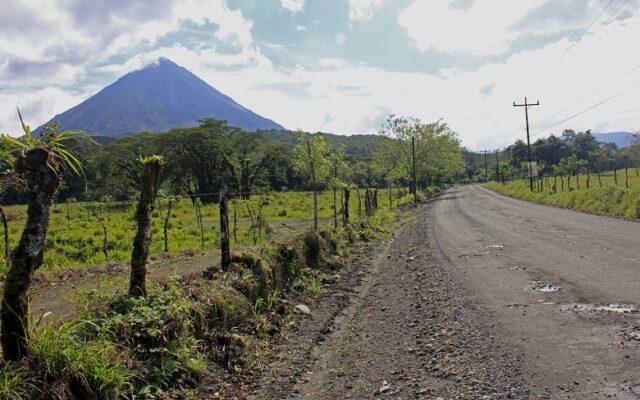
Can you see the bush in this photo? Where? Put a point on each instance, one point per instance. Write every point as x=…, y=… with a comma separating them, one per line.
x=158, y=331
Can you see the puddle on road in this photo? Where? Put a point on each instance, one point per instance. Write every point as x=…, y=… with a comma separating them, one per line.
x=544, y=287
x=608, y=308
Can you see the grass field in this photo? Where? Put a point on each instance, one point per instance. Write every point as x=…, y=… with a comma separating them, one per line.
x=76, y=237
x=602, y=196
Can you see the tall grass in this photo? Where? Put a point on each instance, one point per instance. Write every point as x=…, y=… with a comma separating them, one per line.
x=603, y=197
x=76, y=236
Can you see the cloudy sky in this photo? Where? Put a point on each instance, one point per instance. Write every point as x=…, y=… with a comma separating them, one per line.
x=342, y=66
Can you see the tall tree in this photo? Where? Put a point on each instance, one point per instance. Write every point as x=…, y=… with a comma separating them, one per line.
x=312, y=163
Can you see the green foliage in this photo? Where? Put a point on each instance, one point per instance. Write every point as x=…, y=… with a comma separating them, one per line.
x=158, y=332
x=16, y=382
x=611, y=200
x=86, y=367
x=311, y=158
x=439, y=156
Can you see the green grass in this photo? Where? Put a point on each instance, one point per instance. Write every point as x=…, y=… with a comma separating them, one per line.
x=76, y=238
x=603, y=197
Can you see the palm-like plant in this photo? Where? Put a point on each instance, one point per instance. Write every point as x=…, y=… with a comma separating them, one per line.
x=39, y=162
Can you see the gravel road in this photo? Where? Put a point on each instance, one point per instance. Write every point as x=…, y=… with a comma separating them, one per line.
x=478, y=297
x=563, y=286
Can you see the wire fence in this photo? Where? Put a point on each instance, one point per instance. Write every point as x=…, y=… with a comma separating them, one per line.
x=83, y=234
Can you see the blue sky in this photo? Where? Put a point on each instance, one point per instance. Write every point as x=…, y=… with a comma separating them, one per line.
x=342, y=66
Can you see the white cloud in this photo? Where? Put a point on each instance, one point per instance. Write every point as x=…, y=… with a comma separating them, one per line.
x=295, y=6
x=346, y=97
x=341, y=39
x=490, y=26
x=364, y=9
x=36, y=107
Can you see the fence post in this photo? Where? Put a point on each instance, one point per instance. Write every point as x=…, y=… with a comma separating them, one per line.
x=225, y=249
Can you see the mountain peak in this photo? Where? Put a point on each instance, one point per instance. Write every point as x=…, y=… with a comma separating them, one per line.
x=159, y=97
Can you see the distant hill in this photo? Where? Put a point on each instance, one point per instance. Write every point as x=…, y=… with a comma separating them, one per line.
x=157, y=98
x=621, y=139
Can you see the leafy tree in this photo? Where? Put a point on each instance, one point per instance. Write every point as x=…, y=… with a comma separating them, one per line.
x=248, y=157
x=40, y=162
x=312, y=163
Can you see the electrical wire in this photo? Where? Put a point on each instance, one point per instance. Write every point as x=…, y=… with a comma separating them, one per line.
x=588, y=109
x=591, y=94
x=545, y=76
x=615, y=13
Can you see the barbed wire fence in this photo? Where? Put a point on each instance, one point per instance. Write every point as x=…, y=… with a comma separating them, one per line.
x=92, y=233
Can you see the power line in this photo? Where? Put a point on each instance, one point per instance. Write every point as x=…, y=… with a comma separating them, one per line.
x=589, y=27
x=588, y=109
x=615, y=13
x=544, y=76
x=591, y=94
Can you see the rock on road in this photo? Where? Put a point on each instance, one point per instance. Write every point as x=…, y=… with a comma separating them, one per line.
x=564, y=287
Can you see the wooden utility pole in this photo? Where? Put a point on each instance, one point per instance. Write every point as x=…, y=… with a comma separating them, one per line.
x=526, y=106
x=415, y=186
x=225, y=248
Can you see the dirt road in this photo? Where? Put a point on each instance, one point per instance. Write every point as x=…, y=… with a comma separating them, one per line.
x=557, y=282
x=480, y=297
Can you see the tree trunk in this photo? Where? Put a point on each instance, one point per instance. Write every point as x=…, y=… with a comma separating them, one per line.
x=626, y=174
x=166, y=227
x=615, y=176
x=561, y=183
x=105, y=233
x=359, y=203
x=142, y=240
x=367, y=203
x=7, y=246
x=225, y=248
x=390, y=198
x=569, y=183
x=315, y=207
x=345, y=209
x=555, y=186
x=42, y=181
x=68, y=211
x=375, y=200
x=599, y=179
x=588, y=179
x=578, y=180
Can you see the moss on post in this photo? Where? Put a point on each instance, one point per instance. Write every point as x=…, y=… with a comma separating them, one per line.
x=150, y=178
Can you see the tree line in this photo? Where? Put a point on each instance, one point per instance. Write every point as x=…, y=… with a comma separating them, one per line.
x=569, y=155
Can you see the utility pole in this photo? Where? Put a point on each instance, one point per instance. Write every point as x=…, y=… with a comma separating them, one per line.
x=486, y=172
x=526, y=106
x=415, y=187
x=497, y=167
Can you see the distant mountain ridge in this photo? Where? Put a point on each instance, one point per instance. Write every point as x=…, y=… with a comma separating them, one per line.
x=157, y=98
x=621, y=139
